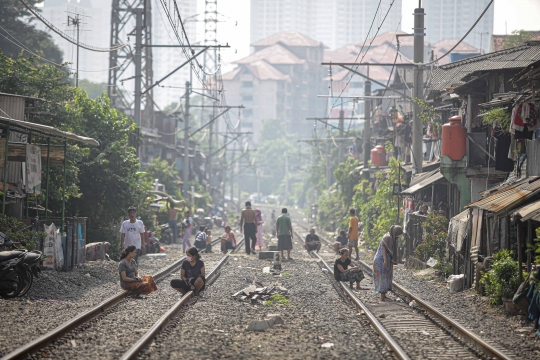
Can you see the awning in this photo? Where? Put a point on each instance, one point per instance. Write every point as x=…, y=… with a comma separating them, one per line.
x=427, y=180
x=508, y=196
x=529, y=212
x=48, y=130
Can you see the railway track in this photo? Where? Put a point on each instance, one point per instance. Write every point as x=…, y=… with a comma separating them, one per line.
x=64, y=335
x=414, y=331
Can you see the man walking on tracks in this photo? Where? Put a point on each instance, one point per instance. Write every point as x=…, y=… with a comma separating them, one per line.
x=353, y=233
x=132, y=231
x=284, y=233
x=248, y=223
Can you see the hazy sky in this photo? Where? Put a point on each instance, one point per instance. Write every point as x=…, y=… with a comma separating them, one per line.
x=509, y=14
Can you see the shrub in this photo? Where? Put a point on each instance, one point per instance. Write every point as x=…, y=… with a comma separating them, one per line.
x=435, y=235
x=503, y=279
x=9, y=226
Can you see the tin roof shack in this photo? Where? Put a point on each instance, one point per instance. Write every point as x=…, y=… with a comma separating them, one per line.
x=465, y=85
x=29, y=146
x=491, y=228
x=526, y=221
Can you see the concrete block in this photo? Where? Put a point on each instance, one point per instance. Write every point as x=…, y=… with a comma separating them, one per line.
x=258, y=325
x=266, y=255
x=274, y=319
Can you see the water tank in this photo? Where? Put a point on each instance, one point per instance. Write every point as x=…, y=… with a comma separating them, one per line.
x=378, y=156
x=454, y=137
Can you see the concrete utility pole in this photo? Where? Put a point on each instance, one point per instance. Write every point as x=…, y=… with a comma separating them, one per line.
x=137, y=59
x=232, y=173
x=286, y=175
x=185, y=165
x=328, y=169
x=418, y=90
x=367, y=123
x=341, y=131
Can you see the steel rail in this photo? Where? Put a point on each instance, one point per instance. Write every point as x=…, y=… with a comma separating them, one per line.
x=162, y=323
x=35, y=345
x=468, y=336
x=386, y=337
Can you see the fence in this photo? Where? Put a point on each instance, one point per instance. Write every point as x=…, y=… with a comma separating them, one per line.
x=73, y=243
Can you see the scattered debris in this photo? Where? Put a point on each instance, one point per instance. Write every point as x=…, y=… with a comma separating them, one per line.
x=327, y=345
x=413, y=304
x=431, y=262
x=424, y=332
x=262, y=325
x=258, y=292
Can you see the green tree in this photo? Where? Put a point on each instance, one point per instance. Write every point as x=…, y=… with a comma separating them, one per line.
x=17, y=21
x=94, y=90
x=167, y=175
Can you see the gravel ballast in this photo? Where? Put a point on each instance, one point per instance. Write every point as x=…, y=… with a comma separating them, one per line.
x=318, y=323
x=57, y=297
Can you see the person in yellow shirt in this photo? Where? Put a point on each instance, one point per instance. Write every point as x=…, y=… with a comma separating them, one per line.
x=353, y=233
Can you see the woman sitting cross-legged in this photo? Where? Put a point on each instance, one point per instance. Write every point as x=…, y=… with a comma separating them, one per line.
x=129, y=274
x=192, y=274
x=342, y=272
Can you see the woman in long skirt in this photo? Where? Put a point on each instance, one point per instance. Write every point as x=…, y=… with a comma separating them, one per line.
x=260, y=222
x=129, y=274
x=383, y=263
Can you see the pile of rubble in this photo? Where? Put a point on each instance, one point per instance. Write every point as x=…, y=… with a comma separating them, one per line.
x=258, y=292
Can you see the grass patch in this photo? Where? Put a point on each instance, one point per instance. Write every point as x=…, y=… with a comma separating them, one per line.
x=286, y=273
x=268, y=303
x=280, y=299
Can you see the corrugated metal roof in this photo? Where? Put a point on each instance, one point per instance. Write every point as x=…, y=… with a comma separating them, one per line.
x=529, y=211
x=433, y=178
x=452, y=74
x=509, y=196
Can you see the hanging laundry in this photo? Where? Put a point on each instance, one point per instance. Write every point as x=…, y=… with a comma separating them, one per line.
x=524, y=119
x=502, y=162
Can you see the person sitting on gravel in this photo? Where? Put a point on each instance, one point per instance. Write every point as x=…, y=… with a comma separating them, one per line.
x=342, y=272
x=200, y=238
x=193, y=276
x=341, y=241
x=129, y=274
x=228, y=240
x=312, y=241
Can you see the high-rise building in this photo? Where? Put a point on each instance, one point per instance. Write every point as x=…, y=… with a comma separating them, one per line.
x=334, y=22
x=451, y=19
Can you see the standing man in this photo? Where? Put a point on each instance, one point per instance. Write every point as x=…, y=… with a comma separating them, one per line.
x=312, y=241
x=131, y=230
x=353, y=233
x=173, y=222
x=248, y=224
x=284, y=233
x=188, y=225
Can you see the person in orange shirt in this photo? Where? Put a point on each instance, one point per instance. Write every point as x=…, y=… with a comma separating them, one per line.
x=353, y=233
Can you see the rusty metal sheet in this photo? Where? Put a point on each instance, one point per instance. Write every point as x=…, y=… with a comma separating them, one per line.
x=509, y=196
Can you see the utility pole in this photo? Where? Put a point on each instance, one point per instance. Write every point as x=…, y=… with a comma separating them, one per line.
x=231, y=179
x=367, y=122
x=328, y=170
x=185, y=165
x=341, y=131
x=418, y=91
x=137, y=59
x=286, y=175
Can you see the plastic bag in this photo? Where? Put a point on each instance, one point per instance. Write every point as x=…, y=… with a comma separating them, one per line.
x=455, y=283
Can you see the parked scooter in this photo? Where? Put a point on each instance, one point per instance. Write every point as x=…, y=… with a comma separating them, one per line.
x=166, y=234
x=155, y=245
x=17, y=268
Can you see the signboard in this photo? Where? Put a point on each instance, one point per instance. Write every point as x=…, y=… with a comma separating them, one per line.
x=396, y=190
x=49, y=245
x=33, y=169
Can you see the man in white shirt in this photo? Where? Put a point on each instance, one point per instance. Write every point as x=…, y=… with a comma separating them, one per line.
x=131, y=231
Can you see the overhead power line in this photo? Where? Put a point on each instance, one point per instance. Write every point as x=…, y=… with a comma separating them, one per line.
x=456, y=45
x=64, y=35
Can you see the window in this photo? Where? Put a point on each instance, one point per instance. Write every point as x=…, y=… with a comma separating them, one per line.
x=248, y=112
x=247, y=84
x=247, y=98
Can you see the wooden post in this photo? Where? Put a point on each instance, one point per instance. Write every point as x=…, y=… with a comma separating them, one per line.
x=47, y=183
x=529, y=246
x=520, y=250
x=4, y=192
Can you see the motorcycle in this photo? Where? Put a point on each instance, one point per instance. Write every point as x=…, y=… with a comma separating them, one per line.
x=166, y=234
x=155, y=245
x=17, y=268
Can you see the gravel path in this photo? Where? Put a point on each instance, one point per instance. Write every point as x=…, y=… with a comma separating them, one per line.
x=214, y=326
x=56, y=297
x=493, y=324
x=109, y=336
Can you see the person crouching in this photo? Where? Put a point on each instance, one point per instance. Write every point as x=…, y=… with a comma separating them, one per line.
x=342, y=272
x=193, y=276
x=129, y=274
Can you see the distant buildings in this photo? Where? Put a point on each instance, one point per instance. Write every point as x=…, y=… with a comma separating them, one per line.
x=334, y=22
x=451, y=19
x=280, y=80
